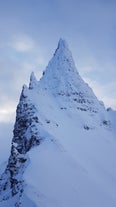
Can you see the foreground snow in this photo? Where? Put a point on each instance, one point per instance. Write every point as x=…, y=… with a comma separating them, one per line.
x=77, y=169
x=73, y=167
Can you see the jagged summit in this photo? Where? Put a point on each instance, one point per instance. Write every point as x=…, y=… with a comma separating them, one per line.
x=62, y=79
x=62, y=45
x=67, y=127
x=33, y=81
x=61, y=71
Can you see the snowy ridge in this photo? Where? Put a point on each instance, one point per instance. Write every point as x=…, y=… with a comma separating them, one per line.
x=64, y=147
x=62, y=80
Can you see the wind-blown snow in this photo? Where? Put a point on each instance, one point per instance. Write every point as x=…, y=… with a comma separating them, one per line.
x=75, y=163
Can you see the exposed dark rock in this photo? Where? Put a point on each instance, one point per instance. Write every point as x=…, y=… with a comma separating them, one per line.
x=25, y=137
x=86, y=127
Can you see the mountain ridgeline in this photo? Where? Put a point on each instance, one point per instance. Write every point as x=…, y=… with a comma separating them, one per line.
x=60, y=108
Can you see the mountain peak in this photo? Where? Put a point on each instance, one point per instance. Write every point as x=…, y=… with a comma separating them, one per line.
x=62, y=43
x=61, y=71
x=63, y=49
x=33, y=81
x=62, y=80
x=61, y=115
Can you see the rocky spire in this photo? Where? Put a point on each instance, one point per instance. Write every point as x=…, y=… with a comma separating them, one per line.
x=62, y=45
x=25, y=136
x=33, y=81
x=61, y=73
x=62, y=79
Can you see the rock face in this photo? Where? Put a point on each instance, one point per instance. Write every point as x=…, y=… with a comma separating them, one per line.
x=25, y=129
x=63, y=84
x=26, y=136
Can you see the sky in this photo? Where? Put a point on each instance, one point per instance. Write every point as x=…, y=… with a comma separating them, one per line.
x=29, y=34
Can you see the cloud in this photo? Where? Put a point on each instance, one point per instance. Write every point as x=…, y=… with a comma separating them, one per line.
x=7, y=108
x=15, y=70
x=7, y=117
x=6, y=135
x=22, y=43
x=12, y=78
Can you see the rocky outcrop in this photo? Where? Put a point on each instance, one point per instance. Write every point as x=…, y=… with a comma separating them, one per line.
x=25, y=137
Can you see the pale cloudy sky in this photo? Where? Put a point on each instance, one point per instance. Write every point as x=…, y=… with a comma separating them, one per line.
x=29, y=33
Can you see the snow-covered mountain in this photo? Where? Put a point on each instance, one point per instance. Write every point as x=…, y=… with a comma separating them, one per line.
x=63, y=150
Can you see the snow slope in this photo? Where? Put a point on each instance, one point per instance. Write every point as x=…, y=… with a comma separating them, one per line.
x=75, y=162
x=73, y=166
